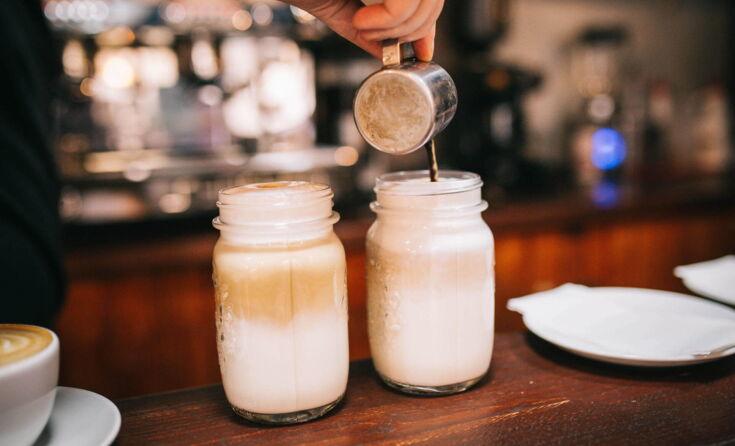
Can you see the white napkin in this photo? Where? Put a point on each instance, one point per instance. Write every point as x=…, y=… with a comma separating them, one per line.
x=714, y=279
x=628, y=322
x=546, y=301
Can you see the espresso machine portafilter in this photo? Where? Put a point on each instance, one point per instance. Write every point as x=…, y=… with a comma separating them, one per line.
x=402, y=106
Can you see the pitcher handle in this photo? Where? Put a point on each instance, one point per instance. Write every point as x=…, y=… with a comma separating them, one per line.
x=394, y=53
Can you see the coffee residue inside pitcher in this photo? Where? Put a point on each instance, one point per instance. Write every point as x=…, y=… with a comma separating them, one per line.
x=393, y=114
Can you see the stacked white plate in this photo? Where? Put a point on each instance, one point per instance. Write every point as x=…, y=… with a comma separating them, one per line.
x=630, y=326
x=714, y=279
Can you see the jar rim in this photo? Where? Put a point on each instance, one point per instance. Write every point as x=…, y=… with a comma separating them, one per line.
x=417, y=183
x=456, y=212
x=274, y=193
x=275, y=206
x=295, y=227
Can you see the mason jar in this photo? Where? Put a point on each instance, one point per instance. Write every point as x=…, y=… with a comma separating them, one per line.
x=431, y=283
x=281, y=301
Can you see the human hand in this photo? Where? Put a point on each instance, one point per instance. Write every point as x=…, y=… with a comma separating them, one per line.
x=365, y=26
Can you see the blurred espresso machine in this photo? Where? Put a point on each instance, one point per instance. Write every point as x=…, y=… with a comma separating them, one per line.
x=163, y=103
x=489, y=132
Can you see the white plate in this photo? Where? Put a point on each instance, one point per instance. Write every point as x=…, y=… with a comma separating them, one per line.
x=80, y=418
x=630, y=326
x=714, y=279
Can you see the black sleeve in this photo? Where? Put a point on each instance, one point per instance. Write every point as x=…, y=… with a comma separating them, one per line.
x=31, y=279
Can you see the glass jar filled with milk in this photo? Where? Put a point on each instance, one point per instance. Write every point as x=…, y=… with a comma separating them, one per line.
x=431, y=282
x=281, y=301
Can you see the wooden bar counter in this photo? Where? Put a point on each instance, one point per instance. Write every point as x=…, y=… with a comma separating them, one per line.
x=534, y=394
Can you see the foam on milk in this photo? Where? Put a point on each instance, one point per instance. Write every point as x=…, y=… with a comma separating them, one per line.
x=18, y=342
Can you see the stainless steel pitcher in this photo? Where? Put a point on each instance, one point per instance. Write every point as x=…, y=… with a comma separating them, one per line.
x=401, y=107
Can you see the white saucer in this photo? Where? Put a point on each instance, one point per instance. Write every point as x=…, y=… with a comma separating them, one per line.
x=80, y=418
x=714, y=279
x=630, y=326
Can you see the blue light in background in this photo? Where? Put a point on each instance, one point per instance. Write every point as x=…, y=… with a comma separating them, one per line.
x=608, y=148
x=606, y=194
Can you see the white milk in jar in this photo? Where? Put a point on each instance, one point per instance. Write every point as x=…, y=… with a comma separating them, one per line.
x=281, y=301
x=430, y=282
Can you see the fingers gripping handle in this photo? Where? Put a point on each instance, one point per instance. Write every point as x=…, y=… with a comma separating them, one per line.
x=394, y=53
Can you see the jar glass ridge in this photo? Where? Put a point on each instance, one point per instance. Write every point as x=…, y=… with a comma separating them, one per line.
x=430, y=282
x=281, y=301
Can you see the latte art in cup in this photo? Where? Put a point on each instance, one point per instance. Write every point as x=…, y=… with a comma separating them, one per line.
x=29, y=372
x=18, y=342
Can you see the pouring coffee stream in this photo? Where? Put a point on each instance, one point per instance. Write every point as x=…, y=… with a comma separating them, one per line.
x=433, y=165
x=404, y=105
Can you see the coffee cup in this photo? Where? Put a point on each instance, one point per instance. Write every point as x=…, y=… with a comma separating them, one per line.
x=29, y=372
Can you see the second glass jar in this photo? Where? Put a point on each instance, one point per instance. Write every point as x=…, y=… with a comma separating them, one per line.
x=431, y=284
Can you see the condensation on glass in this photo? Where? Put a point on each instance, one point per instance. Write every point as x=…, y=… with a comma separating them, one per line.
x=281, y=301
x=431, y=282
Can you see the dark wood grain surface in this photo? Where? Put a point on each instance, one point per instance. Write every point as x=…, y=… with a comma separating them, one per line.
x=534, y=394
